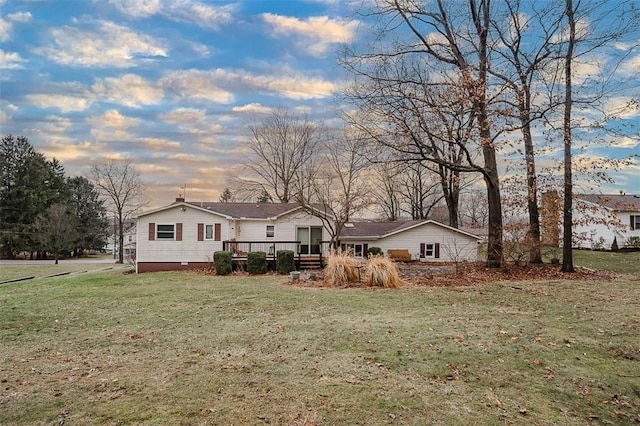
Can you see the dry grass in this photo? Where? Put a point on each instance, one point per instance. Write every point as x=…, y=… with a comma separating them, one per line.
x=181, y=348
x=382, y=272
x=341, y=268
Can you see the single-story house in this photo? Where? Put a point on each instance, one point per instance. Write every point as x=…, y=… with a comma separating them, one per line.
x=184, y=235
x=425, y=240
x=598, y=219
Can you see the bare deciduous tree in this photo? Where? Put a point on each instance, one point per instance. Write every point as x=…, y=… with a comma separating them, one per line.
x=120, y=185
x=448, y=52
x=385, y=187
x=527, y=46
x=340, y=188
x=283, y=147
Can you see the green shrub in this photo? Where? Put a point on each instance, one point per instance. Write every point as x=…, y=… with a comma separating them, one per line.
x=285, y=261
x=375, y=251
x=633, y=242
x=222, y=260
x=256, y=262
x=614, y=244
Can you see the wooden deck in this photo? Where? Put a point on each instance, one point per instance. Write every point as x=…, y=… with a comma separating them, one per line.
x=303, y=260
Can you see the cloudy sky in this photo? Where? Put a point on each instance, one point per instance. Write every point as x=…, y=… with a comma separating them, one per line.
x=171, y=84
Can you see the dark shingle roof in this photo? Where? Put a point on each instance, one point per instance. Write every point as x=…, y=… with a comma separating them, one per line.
x=615, y=202
x=376, y=229
x=382, y=229
x=247, y=210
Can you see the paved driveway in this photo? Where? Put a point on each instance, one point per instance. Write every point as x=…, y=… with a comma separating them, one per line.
x=80, y=261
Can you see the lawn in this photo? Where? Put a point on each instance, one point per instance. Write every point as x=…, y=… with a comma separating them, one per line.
x=179, y=348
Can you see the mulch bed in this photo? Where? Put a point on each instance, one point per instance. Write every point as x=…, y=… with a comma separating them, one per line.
x=424, y=274
x=466, y=274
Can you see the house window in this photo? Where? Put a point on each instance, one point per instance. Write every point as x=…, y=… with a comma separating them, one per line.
x=271, y=231
x=165, y=232
x=635, y=222
x=357, y=250
x=429, y=250
x=209, y=231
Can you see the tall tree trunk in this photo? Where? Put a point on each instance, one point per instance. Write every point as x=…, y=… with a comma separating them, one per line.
x=567, y=241
x=450, y=181
x=534, y=236
x=495, y=255
x=494, y=243
x=120, y=238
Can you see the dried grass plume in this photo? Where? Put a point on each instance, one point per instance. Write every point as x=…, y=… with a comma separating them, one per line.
x=341, y=268
x=382, y=272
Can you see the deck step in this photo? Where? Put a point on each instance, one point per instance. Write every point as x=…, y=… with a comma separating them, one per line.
x=310, y=264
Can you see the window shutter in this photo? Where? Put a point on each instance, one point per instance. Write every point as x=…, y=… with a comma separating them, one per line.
x=201, y=232
x=152, y=231
x=423, y=249
x=217, y=232
x=633, y=222
x=436, y=250
x=178, y=232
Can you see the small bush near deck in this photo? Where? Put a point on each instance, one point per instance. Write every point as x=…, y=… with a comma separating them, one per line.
x=222, y=261
x=633, y=242
x=285, y=261
x=341, y=268
x=382, y=272
x=256, y=262
x=375, y=251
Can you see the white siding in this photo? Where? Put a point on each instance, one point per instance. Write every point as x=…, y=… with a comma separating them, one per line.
x=187, y=250
x=254, y=230
x=287, y=225
x=596, y=227
x=453, y=245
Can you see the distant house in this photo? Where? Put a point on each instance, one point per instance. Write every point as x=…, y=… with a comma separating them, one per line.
x=597, y=219
x=425, y=240
x=184, y=235
x=129, y=245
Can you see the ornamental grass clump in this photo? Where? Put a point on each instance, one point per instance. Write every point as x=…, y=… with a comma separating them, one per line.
x=340, y=269
x=382, y=272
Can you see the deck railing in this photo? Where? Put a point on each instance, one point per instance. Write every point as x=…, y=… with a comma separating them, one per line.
x=240, y=249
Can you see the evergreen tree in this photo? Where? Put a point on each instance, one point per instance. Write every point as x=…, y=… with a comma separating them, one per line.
x=90, y=214
x=226, y=196
x=29, y=185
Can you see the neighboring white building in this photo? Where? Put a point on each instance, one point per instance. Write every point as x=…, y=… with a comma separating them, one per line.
x=184, y=235
x=426, y=240
x=598, y=219
x=129, y=244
